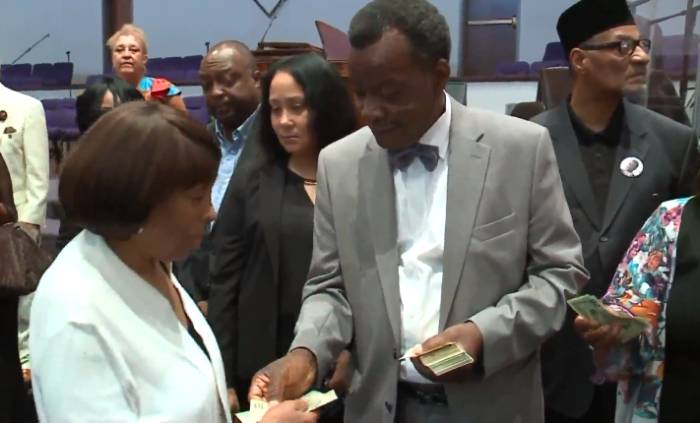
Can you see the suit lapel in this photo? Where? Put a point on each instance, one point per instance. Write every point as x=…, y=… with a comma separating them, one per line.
x=250, y=145
x=571, y=167
x=636, y=146
x=376, y=180
x=467, y=166
x=271, y=194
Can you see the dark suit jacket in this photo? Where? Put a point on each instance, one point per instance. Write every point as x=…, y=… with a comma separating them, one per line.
x=243, y=301
x=669, y=153
x=193, y=272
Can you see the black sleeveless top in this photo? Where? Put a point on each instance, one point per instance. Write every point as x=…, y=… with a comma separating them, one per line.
x=197, y=339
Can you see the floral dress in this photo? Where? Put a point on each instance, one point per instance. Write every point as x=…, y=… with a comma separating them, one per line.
x=157, y=89
x=640, y=288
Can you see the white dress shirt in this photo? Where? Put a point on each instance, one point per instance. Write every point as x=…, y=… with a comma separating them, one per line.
x=421, y=205
x=107, y=347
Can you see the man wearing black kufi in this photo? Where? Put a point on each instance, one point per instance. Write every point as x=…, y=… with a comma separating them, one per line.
x=593, y=133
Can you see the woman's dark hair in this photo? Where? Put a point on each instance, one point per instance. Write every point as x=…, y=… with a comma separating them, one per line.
x=130, y=161
x=331, y=109
x=88, y=105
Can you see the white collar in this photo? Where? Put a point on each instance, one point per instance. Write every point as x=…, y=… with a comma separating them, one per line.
x=439, y=134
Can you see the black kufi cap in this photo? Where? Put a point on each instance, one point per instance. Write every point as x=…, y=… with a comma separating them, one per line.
x=588, y=18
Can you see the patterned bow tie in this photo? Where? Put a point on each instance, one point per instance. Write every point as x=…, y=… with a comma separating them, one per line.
x=428, y=155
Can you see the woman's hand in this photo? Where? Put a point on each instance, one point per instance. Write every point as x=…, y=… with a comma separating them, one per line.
x=289, y=412
x=232, y=400
x=601, y=337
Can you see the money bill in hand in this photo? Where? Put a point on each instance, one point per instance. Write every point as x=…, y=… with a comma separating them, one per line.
x=589, y=307
x=442, y=359
x=258, y=408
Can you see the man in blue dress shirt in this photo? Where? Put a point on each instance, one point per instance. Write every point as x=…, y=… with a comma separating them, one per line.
x=230, y=81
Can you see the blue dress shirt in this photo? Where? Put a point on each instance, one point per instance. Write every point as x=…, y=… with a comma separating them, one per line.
x=230, y=153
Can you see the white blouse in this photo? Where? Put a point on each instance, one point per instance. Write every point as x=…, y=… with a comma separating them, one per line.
x=107, y=347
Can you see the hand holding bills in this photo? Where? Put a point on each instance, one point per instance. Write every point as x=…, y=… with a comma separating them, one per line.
x=589, y=307
x=258, y=408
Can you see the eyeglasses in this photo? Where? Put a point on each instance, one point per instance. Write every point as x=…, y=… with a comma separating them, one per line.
x=625, y=47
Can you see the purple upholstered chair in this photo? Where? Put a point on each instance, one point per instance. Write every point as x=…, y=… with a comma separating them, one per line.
x=195, y=102
x=63, y=73
x=44, y=71
x=554, y=52
x=192, y=62
x=67, y=103
x=538, y=66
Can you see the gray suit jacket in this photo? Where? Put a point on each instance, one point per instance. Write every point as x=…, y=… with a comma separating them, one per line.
x=512, y=259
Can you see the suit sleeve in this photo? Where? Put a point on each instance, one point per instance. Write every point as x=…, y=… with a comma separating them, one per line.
x=228, y=265
x=691, y=160
x=36, y=156
x=520, y=322
x=325, y=324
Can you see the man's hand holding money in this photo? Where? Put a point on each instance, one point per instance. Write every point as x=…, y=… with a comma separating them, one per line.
x=466, y=335
x=288, y=378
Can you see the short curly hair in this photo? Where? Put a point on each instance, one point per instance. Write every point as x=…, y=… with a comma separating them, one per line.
x=129, y=29
x=419, y=20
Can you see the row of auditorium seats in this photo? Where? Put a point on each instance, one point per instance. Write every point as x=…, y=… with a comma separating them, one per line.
x=670, y=64
x=669, y=46
x=671, y=50
x=185, y=70
x=33, y=77
x=60, y=116
x=25, y=76
x=178, y=70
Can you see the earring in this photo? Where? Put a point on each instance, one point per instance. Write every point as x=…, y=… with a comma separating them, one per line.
x=139, y=231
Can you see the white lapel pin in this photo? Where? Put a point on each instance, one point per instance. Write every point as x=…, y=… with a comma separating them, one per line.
x=631, y=167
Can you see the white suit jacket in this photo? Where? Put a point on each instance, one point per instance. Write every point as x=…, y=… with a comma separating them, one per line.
x=24, y=144
x=106, y=347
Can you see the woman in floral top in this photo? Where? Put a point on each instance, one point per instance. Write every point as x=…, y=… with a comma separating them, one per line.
x=658, y=373
x=129, y=57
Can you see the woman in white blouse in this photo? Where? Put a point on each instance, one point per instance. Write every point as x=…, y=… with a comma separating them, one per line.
x=114, y=338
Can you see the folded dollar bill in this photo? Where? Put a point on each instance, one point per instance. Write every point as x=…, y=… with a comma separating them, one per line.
x=258, y=408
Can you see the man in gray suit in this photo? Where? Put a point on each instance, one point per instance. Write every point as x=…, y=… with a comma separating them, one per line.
x=472, y=243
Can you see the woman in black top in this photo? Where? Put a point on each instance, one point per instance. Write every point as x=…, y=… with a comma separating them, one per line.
x=266, y=225
x=100, y=97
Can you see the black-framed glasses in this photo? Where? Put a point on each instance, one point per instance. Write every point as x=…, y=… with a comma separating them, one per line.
x=625, y=47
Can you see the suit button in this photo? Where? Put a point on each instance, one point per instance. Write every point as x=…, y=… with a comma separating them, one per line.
x=396, y=357
x=388, y=406
x=604, y=239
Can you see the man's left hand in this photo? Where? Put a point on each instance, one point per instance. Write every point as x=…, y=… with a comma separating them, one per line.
x=467, y=336
x=340, y=381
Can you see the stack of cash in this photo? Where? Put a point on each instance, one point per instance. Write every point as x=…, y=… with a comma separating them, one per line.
x=442, y=359
x=258, y=408
x=589, y=307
